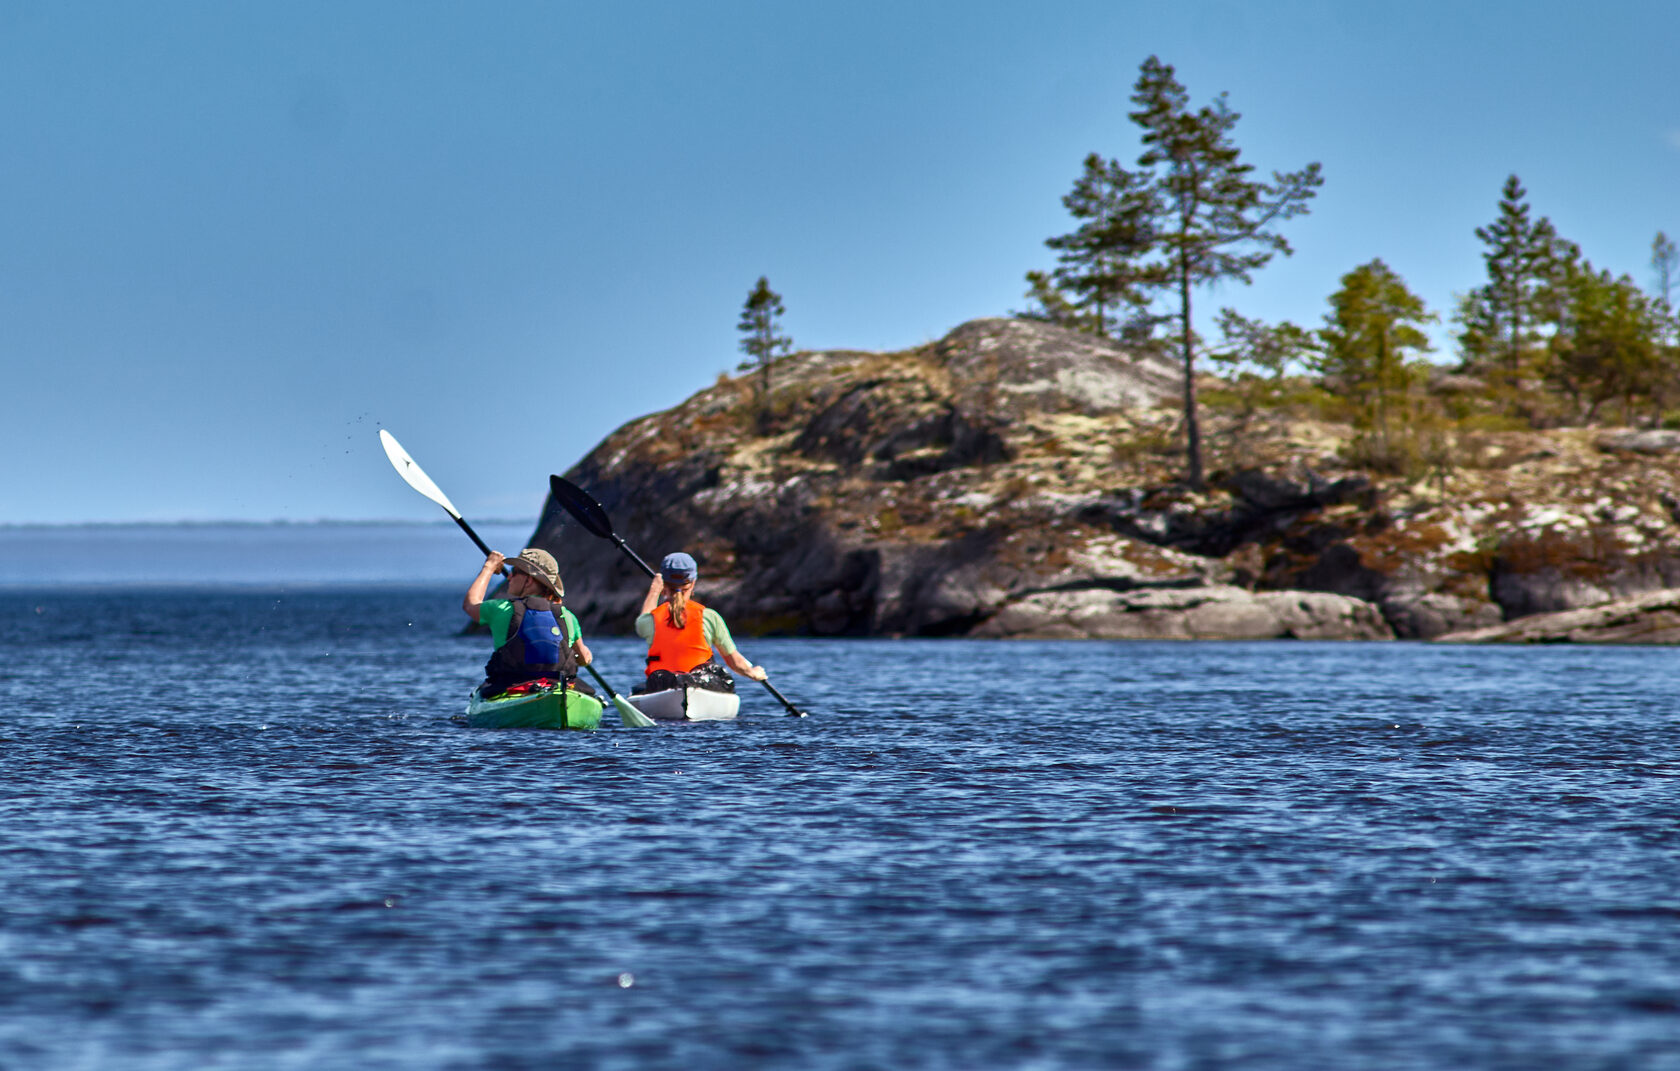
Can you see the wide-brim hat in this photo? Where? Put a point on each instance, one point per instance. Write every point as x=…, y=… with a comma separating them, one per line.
x=539, y=563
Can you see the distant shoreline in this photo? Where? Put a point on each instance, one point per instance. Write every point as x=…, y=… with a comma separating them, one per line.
x=37, y=526
x=245, y=553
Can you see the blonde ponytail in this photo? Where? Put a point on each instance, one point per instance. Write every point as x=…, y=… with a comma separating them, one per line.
x=679, y=605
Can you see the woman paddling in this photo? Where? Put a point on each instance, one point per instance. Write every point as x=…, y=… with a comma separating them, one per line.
x=536, y=638
x=681, y=633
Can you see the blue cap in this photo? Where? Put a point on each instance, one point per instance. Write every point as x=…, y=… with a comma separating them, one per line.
x=679, y=566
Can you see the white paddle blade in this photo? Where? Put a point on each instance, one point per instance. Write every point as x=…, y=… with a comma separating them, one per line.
x=413, y=474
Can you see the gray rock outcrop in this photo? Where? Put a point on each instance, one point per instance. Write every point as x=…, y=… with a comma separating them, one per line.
x=1218, y=612
x=1642, y=441
x=1018, y=479
x=1650, y=618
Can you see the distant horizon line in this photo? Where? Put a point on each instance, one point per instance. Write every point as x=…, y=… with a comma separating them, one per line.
x=280, y=522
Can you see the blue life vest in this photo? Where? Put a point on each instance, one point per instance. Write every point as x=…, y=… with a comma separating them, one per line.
x=537, y=646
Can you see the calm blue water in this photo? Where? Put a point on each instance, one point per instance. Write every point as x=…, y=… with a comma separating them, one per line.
x=252, y=837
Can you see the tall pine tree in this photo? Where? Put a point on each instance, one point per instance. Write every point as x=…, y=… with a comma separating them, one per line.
x=1665, y=260
x=1191, y=214
x=760, y=320
x=1209, y=219
x=1528, y=266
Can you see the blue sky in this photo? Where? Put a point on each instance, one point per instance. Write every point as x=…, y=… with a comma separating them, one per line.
x=236, y=239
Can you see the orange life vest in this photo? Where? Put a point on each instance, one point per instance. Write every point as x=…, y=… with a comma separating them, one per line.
x=678, y=649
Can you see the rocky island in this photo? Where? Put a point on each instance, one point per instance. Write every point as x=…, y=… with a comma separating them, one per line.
x=1017, y=479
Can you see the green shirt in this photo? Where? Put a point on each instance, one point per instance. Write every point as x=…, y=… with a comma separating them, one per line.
x=498, y=614
x=717, y=633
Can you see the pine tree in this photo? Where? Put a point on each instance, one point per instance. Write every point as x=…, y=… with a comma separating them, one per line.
x=1254, y=344
x=1609, y=346
x=1189, y=215
x=1049, y=304
x=1097, y=275
x=1375, y=322
x=1528, y=268
x=1665, y=259
x=759, y=323
x=1208, y=219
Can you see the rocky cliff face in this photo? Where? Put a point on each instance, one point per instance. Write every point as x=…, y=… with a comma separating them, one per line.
x=1018, y=480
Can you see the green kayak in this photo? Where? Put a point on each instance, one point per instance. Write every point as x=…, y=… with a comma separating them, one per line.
x=546, y=708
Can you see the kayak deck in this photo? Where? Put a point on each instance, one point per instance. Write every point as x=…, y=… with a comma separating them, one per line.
x=687, y=704
x=547, y=708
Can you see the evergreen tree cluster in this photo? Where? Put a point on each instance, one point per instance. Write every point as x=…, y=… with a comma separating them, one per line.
x=1549, y=338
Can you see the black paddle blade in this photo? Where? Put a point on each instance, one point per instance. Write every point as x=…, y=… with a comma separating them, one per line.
x=578, y=503
x=590, y=514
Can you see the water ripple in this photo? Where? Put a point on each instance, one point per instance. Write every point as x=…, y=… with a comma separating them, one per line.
x=258, y=839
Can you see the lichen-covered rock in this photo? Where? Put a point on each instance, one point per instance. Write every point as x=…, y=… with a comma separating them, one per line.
x=1260, y=506
x=1416, y=614
x=1014, y=366
x=1426, y=569
x=1650, y=618
x=1571, y=561
x=1216, y=612
x=1642, y=441
x=1018, y=479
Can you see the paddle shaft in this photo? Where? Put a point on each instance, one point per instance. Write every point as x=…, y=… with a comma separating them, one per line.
x=782, y=699
x=637, y=558
x=602, y=682
x=472, y=535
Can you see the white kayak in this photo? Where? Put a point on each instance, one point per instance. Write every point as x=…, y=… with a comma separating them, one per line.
x=687, y=704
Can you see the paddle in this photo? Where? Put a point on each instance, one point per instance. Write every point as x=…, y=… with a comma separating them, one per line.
x=594, y=519
x=416, y=477
x=628, y=716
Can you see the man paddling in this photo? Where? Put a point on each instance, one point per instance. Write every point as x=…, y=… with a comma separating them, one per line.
x=536, y=637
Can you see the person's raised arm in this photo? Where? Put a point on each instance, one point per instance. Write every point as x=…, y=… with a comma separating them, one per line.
x=481, y=584
x=651, y=599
